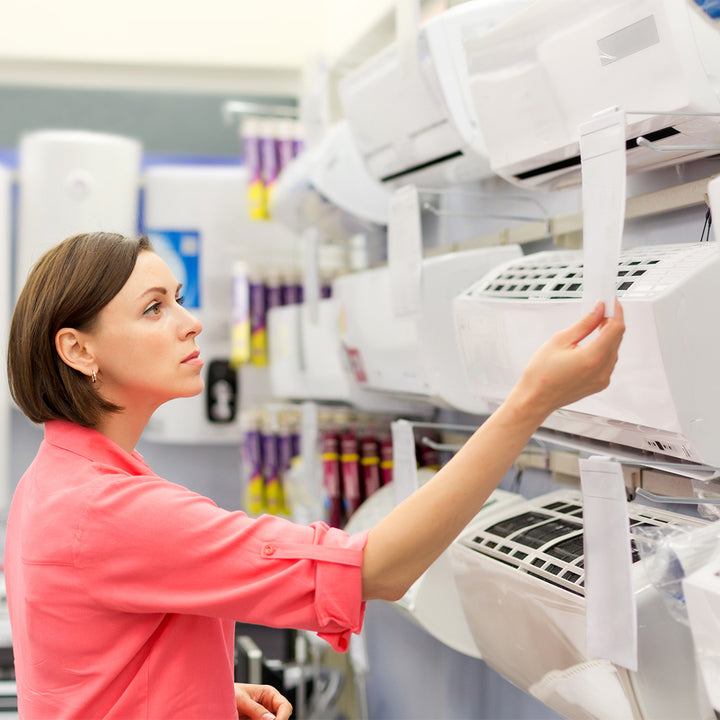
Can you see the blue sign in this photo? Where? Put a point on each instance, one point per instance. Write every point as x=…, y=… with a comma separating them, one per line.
x=180, y=249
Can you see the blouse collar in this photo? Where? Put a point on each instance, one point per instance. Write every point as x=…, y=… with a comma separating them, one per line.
x=93, y=446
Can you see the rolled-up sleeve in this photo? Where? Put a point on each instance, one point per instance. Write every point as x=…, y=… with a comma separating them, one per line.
x=337, y=558
x=146, y=545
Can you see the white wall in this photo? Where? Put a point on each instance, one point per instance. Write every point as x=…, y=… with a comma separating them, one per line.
x=232, y=45
x=215, y=33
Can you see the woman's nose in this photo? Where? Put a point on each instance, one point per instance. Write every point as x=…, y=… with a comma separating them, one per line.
x=191, y=324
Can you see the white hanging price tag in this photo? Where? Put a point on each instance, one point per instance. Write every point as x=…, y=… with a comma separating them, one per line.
x=405, y=480
x=611, y=609
x=311, y=469
x=405, y=251
x=407, y=24
x=604, y=179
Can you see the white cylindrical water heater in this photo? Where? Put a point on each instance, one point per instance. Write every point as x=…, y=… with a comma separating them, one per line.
x=73, y=181
x=195, y=218
x=5, y=309
x=713, y=193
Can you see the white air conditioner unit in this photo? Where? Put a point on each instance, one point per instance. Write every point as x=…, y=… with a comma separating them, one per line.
x=537, y=77
x=329, y=186
x=521, y=582
x=408, y=107
x=306, y=361
x=433, y=601
x=414, y=354
x=664, y=396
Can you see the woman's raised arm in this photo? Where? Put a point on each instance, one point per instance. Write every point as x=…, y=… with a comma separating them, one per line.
x=406, y=542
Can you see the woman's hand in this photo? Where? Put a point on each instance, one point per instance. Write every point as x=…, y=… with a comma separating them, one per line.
x=261, y=702
x=563, y=371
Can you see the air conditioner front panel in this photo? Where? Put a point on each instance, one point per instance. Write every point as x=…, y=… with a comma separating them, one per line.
x=579, y=58
x=662, y=397
x=689, y=350
x=412, y=117
x=396, y=110
x=521, y=581
x=499, y=337
x=320, y=347
x=512, y=616
x=381, y=347
x=443, y=277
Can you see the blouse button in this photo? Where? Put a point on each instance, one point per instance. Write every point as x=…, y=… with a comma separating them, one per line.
x=269, y=550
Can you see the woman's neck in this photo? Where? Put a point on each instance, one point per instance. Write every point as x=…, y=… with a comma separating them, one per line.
x=124, y=428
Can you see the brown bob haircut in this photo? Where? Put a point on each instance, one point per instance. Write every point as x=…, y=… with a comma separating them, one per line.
x=70, y=284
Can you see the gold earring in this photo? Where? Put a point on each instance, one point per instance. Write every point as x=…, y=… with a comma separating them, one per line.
x=94, y=377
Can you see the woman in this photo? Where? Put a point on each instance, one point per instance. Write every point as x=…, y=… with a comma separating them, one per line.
x=123, y=587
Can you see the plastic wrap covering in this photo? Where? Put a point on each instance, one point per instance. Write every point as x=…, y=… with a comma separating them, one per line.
x=702, y=595
x=521, y=581
x=683, y=563
x=672, y=553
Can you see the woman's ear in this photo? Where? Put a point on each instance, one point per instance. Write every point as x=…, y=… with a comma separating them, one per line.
x=73, y=350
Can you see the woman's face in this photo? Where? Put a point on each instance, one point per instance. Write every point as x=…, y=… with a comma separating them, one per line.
x=144, y=340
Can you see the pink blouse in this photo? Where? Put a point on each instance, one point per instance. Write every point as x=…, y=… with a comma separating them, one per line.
x=123, y=588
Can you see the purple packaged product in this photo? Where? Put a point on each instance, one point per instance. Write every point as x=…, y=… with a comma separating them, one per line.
x=252, y=452
x=271, y=471
x=326, y=290
x=295, y=446
x=285, y=294
x=268, y=157
x=258, y=328
x=251, y=157
x=292, y=293
x=285, y=152
x=298, y=146
x=284, y=449
x=299, y=293
x=257, y=201
x=273, y=294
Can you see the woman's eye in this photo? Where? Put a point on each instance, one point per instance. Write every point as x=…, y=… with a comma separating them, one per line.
x=180, y=300
x=154, y=309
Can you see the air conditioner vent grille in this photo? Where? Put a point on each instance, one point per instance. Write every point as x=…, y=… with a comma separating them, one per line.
x=558, y=275
x=546, y=539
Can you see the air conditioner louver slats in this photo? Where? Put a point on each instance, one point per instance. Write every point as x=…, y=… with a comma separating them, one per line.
x=558, y=275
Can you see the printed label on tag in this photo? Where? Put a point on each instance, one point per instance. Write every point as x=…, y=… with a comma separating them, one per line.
x=405, y=480
x=611, y=609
